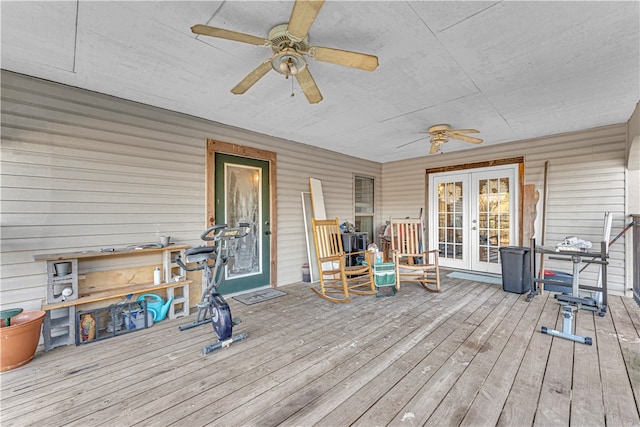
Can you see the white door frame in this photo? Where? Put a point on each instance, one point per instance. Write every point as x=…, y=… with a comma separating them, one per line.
x=469, y=232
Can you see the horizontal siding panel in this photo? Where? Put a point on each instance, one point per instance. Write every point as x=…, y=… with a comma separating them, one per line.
x=65, y=136
x=14, y=172
x=97, y=230
x=24, y=297
x=89, y=196
x=54, y=220
x=60, y=186
x=105, y=206
x=97, y=122
x=15, y=283
x=149, y=159
x=138, y=168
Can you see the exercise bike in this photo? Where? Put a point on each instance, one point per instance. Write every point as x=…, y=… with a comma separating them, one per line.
x=212, y=307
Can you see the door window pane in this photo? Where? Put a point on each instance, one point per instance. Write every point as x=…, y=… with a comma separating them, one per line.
x=450, y=219
x=364, y=195
x=493, y=215
x=364, y=205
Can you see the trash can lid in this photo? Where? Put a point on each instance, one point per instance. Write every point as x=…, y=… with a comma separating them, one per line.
x=518, y=249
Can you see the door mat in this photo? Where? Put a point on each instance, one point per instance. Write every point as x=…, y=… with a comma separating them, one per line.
x=475, y=277
x=259, y=296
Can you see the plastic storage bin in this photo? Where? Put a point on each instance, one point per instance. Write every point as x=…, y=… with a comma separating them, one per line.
x=516, y=269
x=138, y=318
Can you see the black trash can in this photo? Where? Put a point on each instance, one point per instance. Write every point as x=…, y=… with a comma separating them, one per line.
x=516, y=269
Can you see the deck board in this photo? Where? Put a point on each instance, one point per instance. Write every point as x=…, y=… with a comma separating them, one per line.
x=470, y=355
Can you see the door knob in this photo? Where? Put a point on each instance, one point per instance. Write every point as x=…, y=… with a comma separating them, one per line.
x=267, y=233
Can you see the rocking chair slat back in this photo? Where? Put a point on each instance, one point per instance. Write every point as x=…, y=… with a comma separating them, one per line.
x=328, y=238
x=406, y=236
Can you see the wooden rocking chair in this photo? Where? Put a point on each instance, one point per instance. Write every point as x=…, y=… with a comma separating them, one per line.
x=336, y=278
x=413, y=262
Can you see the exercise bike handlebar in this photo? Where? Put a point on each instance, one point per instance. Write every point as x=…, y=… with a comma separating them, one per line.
x=200, y=255
x=222, y=231
x=205, y=235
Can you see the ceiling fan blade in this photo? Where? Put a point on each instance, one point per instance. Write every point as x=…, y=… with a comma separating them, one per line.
x=466, y=138
x=435, y=146
x=252, y=78
x=302, y=16
x=205, y=30
x=309, y=86
x=344, y=57
x=463, y=131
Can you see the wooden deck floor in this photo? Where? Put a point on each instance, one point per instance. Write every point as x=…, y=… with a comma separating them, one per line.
x=471, y=355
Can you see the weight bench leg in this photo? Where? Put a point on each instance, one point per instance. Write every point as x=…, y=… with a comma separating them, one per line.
x=567, y=328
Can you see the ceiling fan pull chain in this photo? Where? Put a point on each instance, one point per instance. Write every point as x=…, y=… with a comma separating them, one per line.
x=292, y=94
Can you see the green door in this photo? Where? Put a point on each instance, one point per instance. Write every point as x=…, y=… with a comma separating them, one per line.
x=242, y=195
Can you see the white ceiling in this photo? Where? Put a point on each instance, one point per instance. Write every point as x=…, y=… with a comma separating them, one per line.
x=512, y=69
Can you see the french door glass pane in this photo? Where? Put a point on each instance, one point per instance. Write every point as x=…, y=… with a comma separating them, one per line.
x=450, y=219
x=493, y=218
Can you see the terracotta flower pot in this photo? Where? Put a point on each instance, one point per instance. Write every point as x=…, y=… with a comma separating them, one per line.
x=19, y=341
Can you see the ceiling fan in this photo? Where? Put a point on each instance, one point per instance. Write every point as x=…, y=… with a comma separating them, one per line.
x=442, y=133
x=290, y=46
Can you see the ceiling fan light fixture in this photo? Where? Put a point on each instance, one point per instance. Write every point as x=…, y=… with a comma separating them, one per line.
x=288, y=62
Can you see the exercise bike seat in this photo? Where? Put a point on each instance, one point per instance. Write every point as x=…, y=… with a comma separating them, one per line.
x=200, y=253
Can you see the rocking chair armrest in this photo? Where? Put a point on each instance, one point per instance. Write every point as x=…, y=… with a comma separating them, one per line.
x=356, y=253
x=417, y=254
x=430, y=251
x=426, y=255
x=337, y=257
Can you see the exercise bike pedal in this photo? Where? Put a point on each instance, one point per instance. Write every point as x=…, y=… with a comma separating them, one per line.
x=236, y=322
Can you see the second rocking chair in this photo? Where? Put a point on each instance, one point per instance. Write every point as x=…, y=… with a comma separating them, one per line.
x=413, y=262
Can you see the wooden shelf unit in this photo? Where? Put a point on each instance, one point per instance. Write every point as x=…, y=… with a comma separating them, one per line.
x=60, y=322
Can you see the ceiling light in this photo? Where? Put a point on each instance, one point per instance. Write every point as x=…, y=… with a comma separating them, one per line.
x=288, y=62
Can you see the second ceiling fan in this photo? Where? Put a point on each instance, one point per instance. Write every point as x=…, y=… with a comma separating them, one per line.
x=290, y=46
x=441, y=134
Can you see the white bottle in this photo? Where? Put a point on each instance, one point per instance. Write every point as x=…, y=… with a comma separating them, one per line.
x=156, y=276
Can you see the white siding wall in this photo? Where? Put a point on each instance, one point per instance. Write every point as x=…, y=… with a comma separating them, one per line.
x=586, y=179
x=81, y=171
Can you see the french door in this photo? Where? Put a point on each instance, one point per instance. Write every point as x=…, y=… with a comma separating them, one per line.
x=473, y=214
